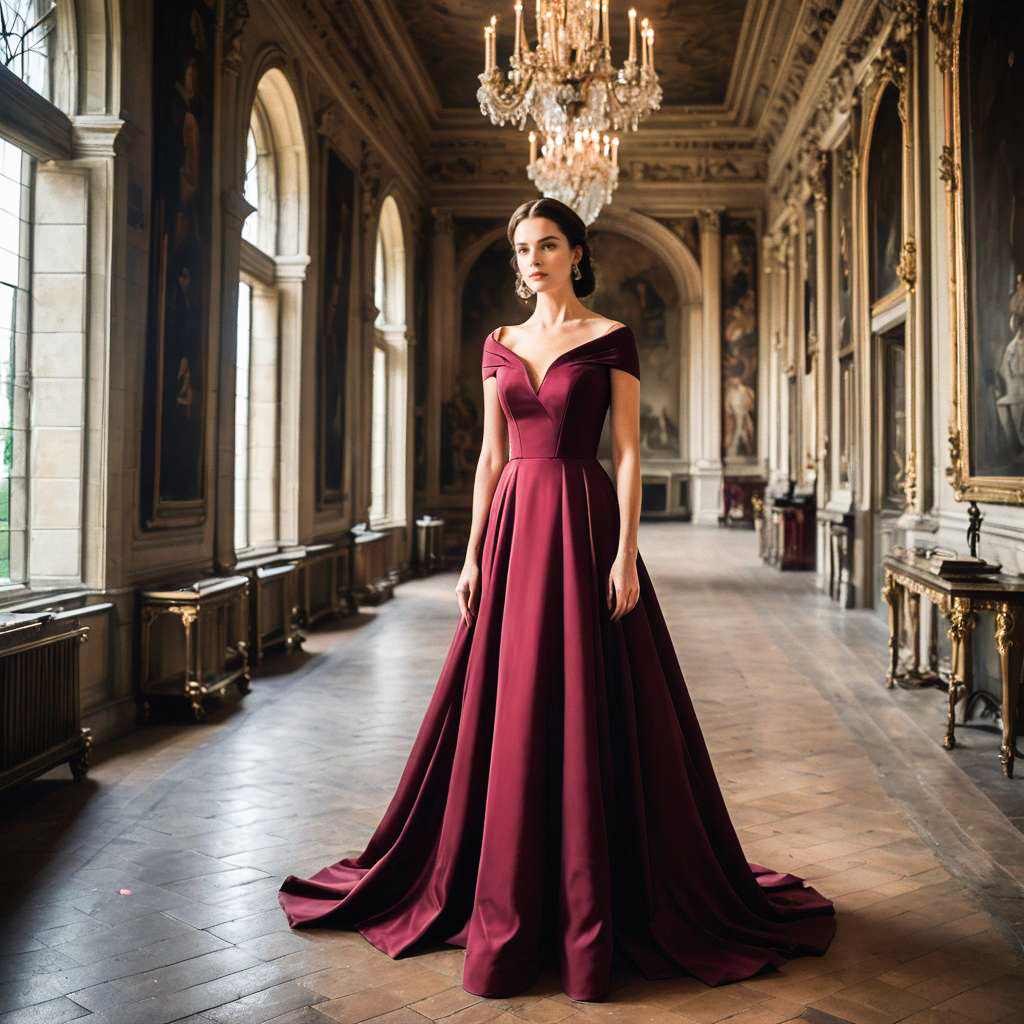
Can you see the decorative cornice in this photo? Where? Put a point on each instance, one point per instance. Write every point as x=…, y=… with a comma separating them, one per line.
x=833, y=89
x=335, y=57
x=803, y=55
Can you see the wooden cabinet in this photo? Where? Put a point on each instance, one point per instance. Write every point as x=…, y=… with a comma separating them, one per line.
x=273, y=603
x=194, y=642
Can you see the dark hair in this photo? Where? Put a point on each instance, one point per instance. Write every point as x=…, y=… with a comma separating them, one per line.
x=571, y=225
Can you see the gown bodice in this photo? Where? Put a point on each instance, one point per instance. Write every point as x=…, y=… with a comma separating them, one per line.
x=563, y=417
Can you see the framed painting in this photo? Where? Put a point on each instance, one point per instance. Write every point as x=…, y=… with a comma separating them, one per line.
x=635, y=287
x=885, y=197
x=810, y=285
x=332, y=337
x=983, y=167
x=173, y=455
x=842, y=246
x=739, y=341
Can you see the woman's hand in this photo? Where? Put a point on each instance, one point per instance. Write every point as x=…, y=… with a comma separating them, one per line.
x=623, y=586
x=468, y=591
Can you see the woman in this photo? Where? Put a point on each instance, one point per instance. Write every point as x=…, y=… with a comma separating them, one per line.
x=559, y=805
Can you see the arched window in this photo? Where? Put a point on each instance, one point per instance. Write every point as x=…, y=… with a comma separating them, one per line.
x=271, y=271
x=389, y=387
x=255, y=519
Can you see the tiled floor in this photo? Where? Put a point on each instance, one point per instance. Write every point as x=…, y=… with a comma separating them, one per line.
x=147, y=894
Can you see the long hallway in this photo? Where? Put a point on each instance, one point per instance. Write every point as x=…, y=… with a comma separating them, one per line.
x=147, y=893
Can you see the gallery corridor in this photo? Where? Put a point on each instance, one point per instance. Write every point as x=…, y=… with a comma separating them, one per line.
x=147, y=893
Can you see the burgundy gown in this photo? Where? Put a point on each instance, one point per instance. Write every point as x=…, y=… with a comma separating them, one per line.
x=559, y=804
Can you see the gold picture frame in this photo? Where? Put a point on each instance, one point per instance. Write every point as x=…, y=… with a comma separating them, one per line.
x=946, y=18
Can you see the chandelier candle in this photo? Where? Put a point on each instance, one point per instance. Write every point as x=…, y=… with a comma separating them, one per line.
x=632, y=34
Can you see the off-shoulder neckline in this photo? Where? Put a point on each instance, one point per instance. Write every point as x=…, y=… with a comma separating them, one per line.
x=557, y=359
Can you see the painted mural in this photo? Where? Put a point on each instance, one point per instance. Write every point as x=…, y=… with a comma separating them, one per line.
x=695, y=50
x=739, y=340
x=885, y=195
x=842, y=235
x=332, y=339
x=810, y=285
x=991, y=85
x=173, y=463
x=488, y=301
x=635, y=287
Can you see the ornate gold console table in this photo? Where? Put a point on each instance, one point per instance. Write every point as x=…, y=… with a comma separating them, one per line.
x=907, y=578
x=213, y=616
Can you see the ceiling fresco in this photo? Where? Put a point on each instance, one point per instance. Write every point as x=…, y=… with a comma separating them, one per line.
x=694, y=44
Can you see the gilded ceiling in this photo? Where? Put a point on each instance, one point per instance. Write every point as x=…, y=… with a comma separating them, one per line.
x=694, y=46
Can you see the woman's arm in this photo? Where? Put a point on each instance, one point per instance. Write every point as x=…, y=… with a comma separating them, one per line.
x=488, y=468
x=623, y=582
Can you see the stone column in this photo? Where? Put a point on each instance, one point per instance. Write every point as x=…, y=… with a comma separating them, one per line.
x=295, y=508
x=706, y=378
x=779, y=475
x=234, y=210
x=87, y=268
x=768, y=398
x=823, y=361
x=442, y=298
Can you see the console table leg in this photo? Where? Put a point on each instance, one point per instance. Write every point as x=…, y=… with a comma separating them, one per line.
x=914, y=614
x=1004, y=630
x=891, y=594
x=933, y=640
x=961, y=621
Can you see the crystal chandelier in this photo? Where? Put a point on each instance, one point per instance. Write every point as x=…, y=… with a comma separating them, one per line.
x=568, y=83
x=580, y=174
x=574, y=94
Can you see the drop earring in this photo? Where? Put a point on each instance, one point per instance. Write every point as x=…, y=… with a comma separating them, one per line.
x=577, y=274
x=522, y=288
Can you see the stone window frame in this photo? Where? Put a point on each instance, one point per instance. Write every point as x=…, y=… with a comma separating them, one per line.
x=275, y=270
x=388, y=434
x=69, y=155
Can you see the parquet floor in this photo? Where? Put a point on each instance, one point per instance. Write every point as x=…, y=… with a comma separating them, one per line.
x=147, y=894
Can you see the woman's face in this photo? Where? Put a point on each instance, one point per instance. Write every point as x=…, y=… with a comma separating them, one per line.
x=543, y=254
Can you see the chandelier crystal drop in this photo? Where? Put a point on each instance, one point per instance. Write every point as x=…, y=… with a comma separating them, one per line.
x=568, y=83
x=582, y=174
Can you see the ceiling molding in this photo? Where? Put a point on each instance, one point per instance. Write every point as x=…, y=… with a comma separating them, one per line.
x=394, y=47
x=373, y=112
